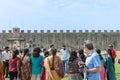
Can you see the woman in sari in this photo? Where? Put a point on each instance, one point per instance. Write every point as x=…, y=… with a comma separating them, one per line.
x=43, y=76
x=49, y=63
x=24, y=67
x=110, y=65
x=1, y=71
x=73, y=67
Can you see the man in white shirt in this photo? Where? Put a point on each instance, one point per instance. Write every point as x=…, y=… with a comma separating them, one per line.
x=5, y=58
x=64, y=57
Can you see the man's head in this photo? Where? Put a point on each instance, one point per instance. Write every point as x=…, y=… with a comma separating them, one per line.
x=64, y=47
x=88, y=46
x=110, y=46
x=52, y=46
x=6, y=48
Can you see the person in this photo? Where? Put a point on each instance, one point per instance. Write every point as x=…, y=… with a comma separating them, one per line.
x=113, y=51
x=51, y=47
x=43, y=77
x=102, y=68
x=82, y=59
x=73, y=67
x=81, y=55
x=13, y=62
x=110, y=65
x=0, y=54
x=49, y=64
x=36, y=67
x=64, y=51
x=1, y=70
x=43, y=52
x=5, y=57
x=92, y=63
x=24, y=67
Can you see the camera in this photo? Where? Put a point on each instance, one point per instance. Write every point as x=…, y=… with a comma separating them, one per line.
x=81, y=66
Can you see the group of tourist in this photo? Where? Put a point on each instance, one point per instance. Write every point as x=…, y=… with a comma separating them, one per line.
x=81, y=64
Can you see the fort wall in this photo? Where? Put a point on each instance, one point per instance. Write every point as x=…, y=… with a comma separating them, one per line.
x=72, y=39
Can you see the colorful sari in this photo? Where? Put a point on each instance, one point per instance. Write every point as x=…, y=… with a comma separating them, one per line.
x=24, y=69
x=1, y=71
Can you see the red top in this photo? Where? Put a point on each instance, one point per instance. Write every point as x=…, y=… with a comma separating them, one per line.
x=13, y=64
x=113, y=53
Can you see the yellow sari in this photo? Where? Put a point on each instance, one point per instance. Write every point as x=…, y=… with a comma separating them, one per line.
x=51, y=74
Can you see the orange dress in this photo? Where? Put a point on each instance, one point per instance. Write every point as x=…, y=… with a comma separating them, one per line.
x=1, y=71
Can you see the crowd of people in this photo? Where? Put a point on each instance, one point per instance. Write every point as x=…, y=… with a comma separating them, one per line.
x=42, y=64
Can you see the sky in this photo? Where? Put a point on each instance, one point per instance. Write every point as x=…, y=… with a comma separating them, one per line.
x=60, y=14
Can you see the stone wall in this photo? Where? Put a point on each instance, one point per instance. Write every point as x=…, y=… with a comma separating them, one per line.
x=72, y=39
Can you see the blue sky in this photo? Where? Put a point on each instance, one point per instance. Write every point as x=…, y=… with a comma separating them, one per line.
x=60, y=14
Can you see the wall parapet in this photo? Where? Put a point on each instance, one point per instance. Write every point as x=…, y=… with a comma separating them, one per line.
x=64, y=31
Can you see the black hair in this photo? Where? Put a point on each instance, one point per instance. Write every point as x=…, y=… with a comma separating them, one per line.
x=81, y=52
x=6, y=47
x=73, y=56
x=15, y=53
x=53, y=51
x=64, y=46
x=89, y=44
x=99, y=52
x=51, y=45
x=44, y=50
x=110, y=45
x=36, y=52
x=46, y=54
x=25, y=52
x=110, y=53
x=38, y=49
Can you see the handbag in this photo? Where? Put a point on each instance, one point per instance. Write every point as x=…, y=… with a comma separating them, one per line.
x=59, y=69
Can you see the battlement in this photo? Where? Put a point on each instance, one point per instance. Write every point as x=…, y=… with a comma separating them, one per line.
x=71, y=38
x=60, y=31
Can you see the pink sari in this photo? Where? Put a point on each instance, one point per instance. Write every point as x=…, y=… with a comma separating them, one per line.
x=102, y=72
x=43, y=77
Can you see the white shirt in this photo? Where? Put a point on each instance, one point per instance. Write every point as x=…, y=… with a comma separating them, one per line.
x=64, y=54
x=6, y=55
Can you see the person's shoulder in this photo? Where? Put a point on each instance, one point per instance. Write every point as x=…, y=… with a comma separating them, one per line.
x=3, y=52
x=95, y=54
